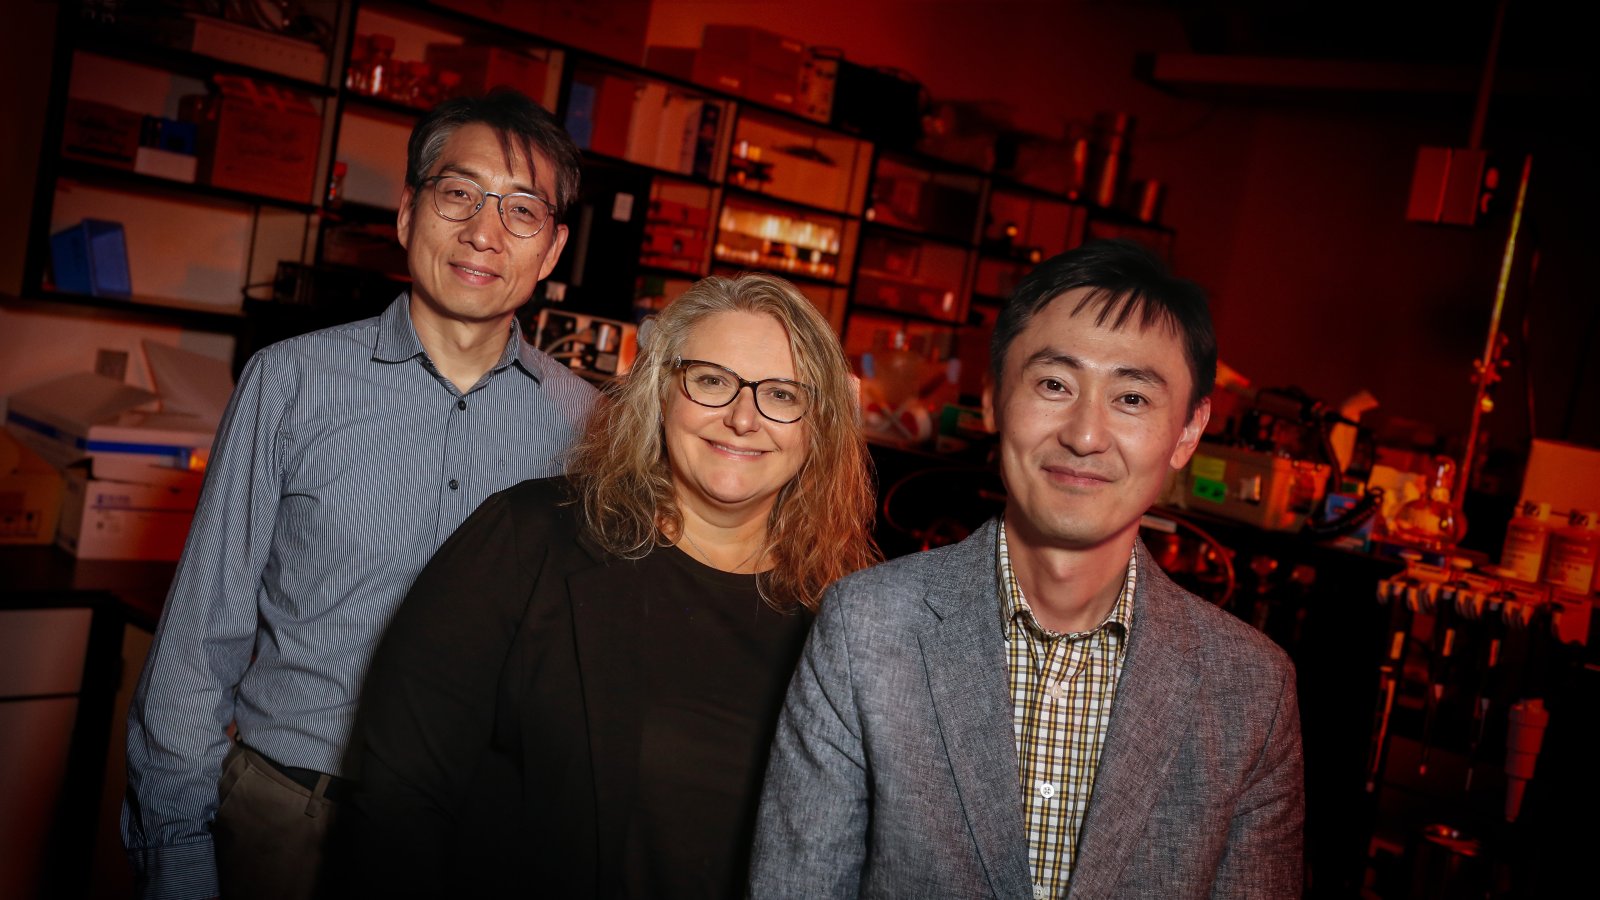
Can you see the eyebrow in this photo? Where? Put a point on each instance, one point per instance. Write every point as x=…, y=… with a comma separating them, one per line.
x=458, y=169
x=1048, y=357
x=686, y=361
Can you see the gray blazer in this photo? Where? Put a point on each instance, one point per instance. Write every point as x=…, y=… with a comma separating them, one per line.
x=894, y=769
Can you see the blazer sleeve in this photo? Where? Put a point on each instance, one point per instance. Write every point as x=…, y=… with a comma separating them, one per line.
x=428, y=707
x=811, y=833
x=1265, y=854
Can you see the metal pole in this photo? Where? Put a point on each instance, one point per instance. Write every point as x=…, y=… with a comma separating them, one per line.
x=1488, y=365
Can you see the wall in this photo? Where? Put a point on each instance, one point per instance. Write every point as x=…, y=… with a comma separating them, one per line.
x=42, y=343
x=1289, y=209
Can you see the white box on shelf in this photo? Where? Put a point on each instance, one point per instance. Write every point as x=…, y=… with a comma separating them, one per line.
x=165, y=164
x=254, y=47
x=146, y=517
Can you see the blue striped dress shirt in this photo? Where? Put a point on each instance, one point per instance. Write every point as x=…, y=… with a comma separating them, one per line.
x=344, y=460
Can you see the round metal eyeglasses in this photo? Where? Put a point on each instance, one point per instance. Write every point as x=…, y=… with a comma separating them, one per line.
x=709, y=384
x=459, y=199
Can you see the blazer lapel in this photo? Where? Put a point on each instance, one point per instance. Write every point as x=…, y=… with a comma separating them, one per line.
x=964, y=655
x=1153, y=707
x=606, y=611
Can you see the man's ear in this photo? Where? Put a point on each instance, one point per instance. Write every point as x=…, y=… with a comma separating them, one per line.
x=1190, y=438
x=557, y=242
x=989, y=418
x=402, y=220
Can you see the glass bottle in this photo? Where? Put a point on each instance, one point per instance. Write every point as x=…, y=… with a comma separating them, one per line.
x=380, y=65
x=358, y=77
x=1432, y=522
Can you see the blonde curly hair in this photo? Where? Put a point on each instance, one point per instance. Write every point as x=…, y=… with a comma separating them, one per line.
x=820, y=526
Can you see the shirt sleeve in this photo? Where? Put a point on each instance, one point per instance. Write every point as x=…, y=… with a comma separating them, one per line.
x=184, y=700
x=811, y=832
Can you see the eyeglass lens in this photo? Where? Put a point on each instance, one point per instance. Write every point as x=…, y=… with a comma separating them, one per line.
x=778, y=399
x=459, y=199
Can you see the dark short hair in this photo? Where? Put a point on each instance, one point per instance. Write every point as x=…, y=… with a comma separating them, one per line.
x=522, y=125
x=1125, y=280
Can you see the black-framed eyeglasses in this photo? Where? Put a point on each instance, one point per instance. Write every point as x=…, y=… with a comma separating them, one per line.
x=459, y=199
x=708, y=384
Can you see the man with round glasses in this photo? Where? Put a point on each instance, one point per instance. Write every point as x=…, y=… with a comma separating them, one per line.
x=346, y=457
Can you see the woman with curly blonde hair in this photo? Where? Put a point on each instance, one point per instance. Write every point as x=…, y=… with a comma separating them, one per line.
x=818, y=521
x=580, y=690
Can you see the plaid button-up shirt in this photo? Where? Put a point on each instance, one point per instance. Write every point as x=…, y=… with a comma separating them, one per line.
x=1062, y=686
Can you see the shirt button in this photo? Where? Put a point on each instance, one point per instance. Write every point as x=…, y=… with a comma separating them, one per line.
x=1055, y=689
x=454, y=484
x=1047, y=790
x=1039, y=893
x=461, y=404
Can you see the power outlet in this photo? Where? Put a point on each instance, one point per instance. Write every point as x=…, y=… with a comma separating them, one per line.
x=111, y=364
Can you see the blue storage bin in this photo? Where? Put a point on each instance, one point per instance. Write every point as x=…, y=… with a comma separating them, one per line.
x=91, y=257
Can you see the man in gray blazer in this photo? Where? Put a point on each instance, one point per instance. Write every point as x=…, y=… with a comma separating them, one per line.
x=1038, y=711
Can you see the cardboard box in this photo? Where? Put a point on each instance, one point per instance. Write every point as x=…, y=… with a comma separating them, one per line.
x=101, y=133
x=482, y=68
x=145, y=520
x=781, y=91
x=614, y=28
x=679, y=213
x=667, y=241
x=675, y=61
x=242, y=44
x=728, y=74
x=166, y=164
x=1566, y=476
x=30, y=494
x=258, y=138
x=761, y=49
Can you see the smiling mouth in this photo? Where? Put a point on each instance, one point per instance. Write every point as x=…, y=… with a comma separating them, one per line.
x=477, y=272
x=735, y=451
x=1076, y=476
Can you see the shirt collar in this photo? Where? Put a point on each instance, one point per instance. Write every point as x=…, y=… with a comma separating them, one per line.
x=397, y=341
x=1015, y=612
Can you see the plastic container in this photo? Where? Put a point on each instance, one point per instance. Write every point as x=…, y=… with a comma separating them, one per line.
x=91, y=257
x=1574, y=551
x=1527, y=543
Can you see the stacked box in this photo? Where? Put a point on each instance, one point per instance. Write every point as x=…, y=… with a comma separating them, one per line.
x=482, y=68
x=613, y=28
x=771, y=63
x=258, y=138
x=675, y=236
x=102, y=518
x=101, y=133
x=30, y=494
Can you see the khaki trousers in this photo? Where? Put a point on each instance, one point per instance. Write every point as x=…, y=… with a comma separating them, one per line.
x=269, y=831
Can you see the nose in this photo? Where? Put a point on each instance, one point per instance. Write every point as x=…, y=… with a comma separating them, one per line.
x=486, y=230
x=741, y=415
x=1083, y=428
